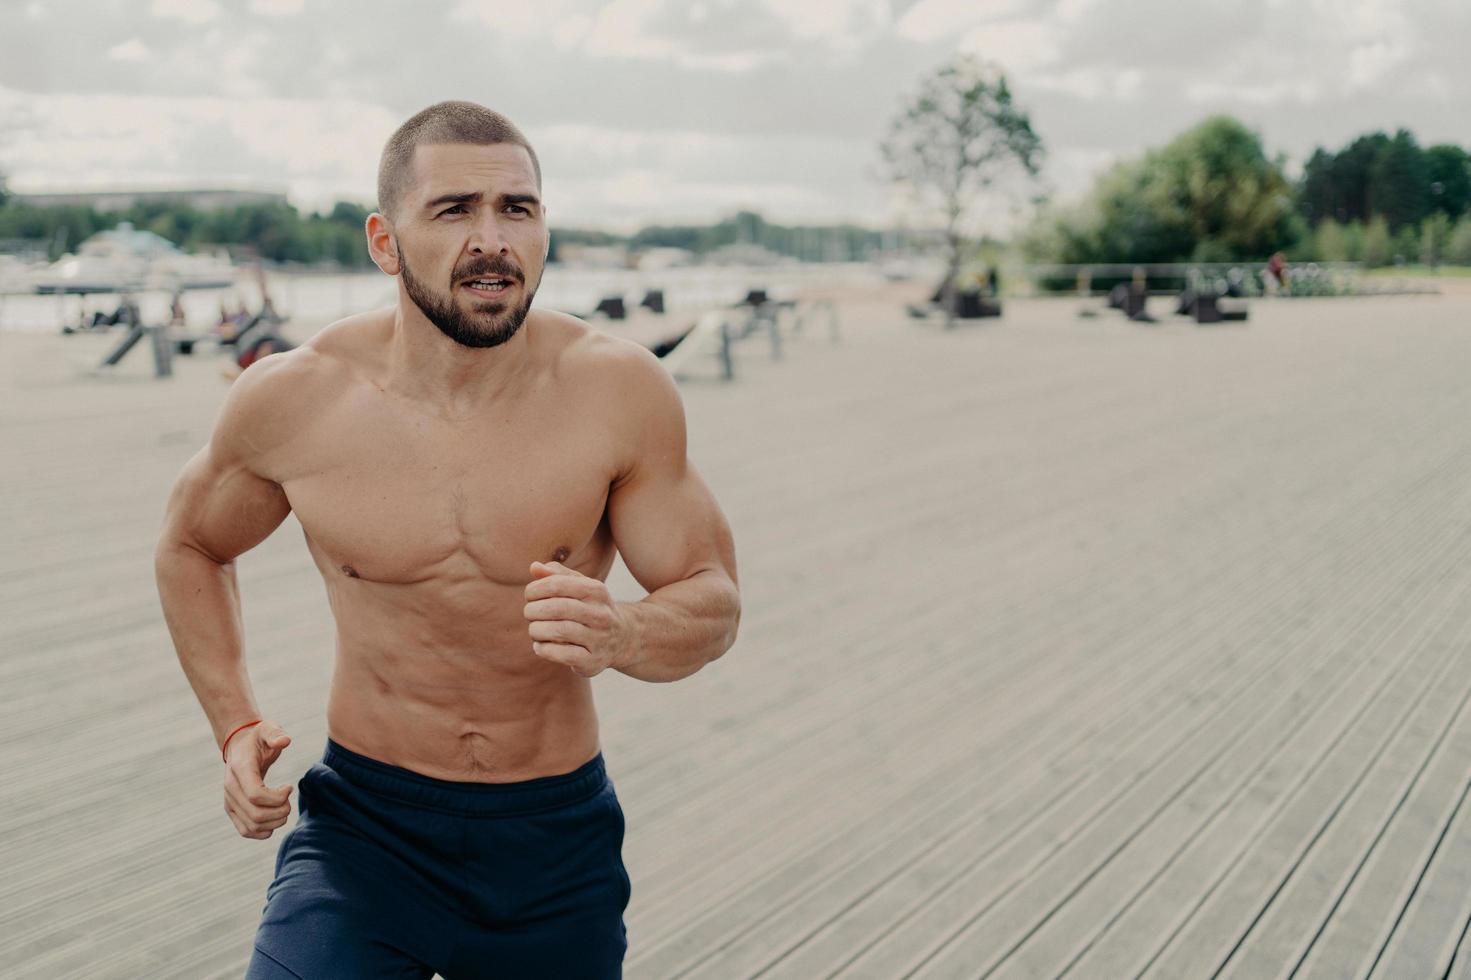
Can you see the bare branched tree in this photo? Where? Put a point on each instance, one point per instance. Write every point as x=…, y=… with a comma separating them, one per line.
x=953, y=140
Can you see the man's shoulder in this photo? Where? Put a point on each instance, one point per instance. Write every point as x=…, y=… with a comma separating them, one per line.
x=320, y=364
x=630, y=388
x=351, y=342
x=277, y=395
x=593, y=357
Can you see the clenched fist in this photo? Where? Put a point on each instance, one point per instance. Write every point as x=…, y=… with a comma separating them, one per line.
x=574, y=621
x=254, y=808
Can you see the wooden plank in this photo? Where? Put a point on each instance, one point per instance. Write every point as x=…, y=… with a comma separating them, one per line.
x=851, y=934
x=983, y=570
x=1066, y=935
x=1290, y=925
x=1219, y=759
x=1403, y=913
x=1231, y=909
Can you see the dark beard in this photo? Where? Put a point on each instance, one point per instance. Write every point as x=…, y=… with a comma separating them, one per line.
x=490, y=326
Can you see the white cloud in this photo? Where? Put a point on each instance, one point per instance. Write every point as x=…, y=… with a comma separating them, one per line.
x=617, y=28
x=1303, y=91
x=1091, y=84
x=1365, y=18
x=1017, y=45
x=1072, y=11
x=1368, y=63
x=615, y=174
x=565, y=23
x=627, y=199
x=935, y=20
x=130, y=50
x=1435, y=86
x=839, y=23
x=276, y=8
x=775, y=104
x=127, y=141
x=1127, y=84
x=189, y=11
x=620, y=31
x=1072, y=170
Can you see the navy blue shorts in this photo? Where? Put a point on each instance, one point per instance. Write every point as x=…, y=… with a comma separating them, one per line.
x=390, y=873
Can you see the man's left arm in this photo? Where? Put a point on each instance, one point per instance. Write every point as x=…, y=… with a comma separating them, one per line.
x=674, y=540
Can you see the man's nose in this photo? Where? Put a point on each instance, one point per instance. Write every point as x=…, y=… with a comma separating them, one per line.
x=487, y=237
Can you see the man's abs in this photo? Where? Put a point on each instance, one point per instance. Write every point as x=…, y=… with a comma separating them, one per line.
x=438, y=676
x=488, y=713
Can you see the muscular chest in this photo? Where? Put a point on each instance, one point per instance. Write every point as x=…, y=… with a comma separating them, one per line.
x=398, y=499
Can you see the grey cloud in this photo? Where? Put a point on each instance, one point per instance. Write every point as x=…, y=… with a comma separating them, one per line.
x=721, y=27
x=810, y=114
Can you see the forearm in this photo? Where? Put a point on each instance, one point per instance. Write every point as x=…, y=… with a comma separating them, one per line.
x=676, y=630
x=201, y=604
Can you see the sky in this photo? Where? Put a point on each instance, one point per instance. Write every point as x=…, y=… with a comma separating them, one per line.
x=646, y=111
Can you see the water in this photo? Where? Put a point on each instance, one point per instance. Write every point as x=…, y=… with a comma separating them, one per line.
x=313, y=299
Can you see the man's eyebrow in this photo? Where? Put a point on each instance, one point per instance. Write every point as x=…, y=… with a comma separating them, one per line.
x=520, y=199
x=461, y=197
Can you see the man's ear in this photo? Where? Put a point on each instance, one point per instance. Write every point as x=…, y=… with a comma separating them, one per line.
x=383, y=244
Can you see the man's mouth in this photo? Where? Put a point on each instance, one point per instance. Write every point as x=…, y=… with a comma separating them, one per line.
x=488, y=287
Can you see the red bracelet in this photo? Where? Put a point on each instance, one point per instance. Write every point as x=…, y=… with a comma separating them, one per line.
x=233, y=734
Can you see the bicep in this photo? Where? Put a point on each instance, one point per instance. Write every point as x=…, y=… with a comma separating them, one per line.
x=668, y=526
x=222, y=505
x=220, y=508
x=665, y=521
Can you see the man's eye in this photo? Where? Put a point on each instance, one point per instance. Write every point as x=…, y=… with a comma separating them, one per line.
x=456, y=209
x=518, y=209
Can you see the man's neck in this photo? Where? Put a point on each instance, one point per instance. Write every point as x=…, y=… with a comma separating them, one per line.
x=457, y=381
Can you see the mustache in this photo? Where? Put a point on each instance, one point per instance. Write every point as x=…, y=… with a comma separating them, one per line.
x=487, y=266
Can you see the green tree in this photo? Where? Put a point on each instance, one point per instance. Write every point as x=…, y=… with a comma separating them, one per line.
x=1377, y=248
x=1378, y=174
x=347, y=213
x=1353, y=235
x=958, y=135
x=1399, y=184
x=1435, y=235
x=1458, y=248
x=1236, y=202
x=1406, y=247
x=1211, y=194
x=1448, y=168
x=1318, y=197
x=1331, y=242
x=1352, y=174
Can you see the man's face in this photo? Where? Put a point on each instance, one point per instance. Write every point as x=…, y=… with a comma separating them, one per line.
x=472, y=239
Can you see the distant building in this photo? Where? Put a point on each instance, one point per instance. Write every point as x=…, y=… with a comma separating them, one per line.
x=744, y=253
x=654, y=259
x=595, y=256
x=200, y=200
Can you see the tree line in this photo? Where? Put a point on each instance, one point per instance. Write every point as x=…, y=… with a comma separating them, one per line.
x=274, y=231
x=1213, y=195
x=812, y=243
x=278, y=232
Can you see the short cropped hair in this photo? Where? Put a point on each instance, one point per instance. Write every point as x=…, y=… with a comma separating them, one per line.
x=443, y=122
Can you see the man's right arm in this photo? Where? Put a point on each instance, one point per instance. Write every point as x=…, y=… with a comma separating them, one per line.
x=222, y=505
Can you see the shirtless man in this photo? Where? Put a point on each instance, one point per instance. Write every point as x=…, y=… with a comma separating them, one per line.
x=464, y=469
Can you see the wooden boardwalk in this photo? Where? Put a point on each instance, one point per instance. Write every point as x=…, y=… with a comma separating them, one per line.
x=1070, y=648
